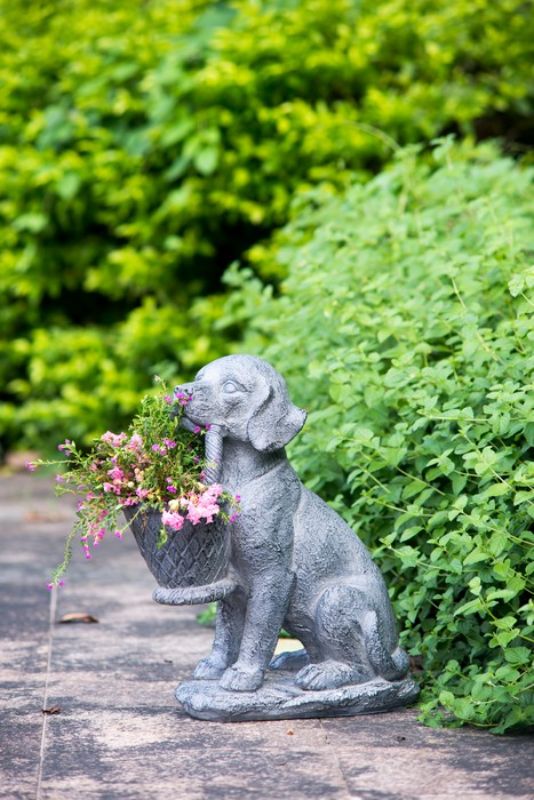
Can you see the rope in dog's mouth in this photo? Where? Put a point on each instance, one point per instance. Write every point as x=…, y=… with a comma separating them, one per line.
x=213, y=451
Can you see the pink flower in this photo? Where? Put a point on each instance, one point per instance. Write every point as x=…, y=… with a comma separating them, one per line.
x=30, y=466
x=119, y=534
x=142, y=493
x=136, y=442
x=173, y=520
x=114, y=439
x=204, y=505
x=233, y=517
x=66, y=446
x=182, y=398
x=51, y=585
x=129, y=501
x=170, y=443
x=172, y=489
x=116, y=473
x=197, y=429
x=194, y=515
x=168, y=399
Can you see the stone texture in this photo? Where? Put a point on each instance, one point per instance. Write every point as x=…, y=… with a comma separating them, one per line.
x=120, y=734
x=296, y=563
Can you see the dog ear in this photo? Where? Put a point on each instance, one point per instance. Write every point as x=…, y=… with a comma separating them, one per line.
x=275, y=421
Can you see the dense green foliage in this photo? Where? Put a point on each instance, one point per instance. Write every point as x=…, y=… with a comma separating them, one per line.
x=414, y=351
x=146, y=145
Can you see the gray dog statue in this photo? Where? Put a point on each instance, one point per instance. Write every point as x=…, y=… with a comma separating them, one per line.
x=297, y=565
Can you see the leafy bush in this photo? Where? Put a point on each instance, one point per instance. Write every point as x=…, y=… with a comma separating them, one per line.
x=146, y=145
x=405, y=326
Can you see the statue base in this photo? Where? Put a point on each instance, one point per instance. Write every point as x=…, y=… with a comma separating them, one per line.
x=280, y=698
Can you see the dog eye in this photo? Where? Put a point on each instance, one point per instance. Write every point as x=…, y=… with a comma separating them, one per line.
x=230, y=387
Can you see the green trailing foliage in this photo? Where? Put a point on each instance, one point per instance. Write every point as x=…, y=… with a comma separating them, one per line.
x=405, y=327
x=146, y=145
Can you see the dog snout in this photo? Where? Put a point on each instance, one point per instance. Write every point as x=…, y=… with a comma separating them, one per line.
x=197, y=400
x=185, y=389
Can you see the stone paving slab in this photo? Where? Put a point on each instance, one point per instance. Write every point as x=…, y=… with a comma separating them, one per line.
x=120, y=735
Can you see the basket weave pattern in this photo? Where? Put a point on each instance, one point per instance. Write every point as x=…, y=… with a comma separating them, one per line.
x=195, y=556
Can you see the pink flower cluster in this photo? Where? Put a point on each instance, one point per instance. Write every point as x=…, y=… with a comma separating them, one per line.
x=195, y=507
x=159, y=469
x=135, y=443
x=182, y=397
x=173, y=520
x=115, y=439
x=122, y=483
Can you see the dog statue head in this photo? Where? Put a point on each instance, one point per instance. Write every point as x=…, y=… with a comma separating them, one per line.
x=247, y=400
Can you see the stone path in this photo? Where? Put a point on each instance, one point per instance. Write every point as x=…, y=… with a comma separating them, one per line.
x=119, y=734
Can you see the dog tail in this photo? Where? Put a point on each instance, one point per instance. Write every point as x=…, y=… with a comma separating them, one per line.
x=391, y=666
x=401, y=661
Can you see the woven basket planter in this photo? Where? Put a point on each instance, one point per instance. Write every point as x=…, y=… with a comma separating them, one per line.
x=192, y=566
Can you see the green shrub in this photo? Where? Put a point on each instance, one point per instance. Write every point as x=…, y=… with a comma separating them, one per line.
x=405, y=326
x=146, y=145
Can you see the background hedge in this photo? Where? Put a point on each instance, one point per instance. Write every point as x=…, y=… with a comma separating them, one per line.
x=414, y=352
x=147, y=146
x=144, y=146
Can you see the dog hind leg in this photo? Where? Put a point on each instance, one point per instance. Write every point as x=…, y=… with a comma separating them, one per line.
x=343, y=658
x=354, y=648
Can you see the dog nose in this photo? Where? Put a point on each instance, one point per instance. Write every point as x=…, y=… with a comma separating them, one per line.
x=184, y=390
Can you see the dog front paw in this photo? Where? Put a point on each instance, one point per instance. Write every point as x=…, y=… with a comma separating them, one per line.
x=209, y=669
x=241, y=679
